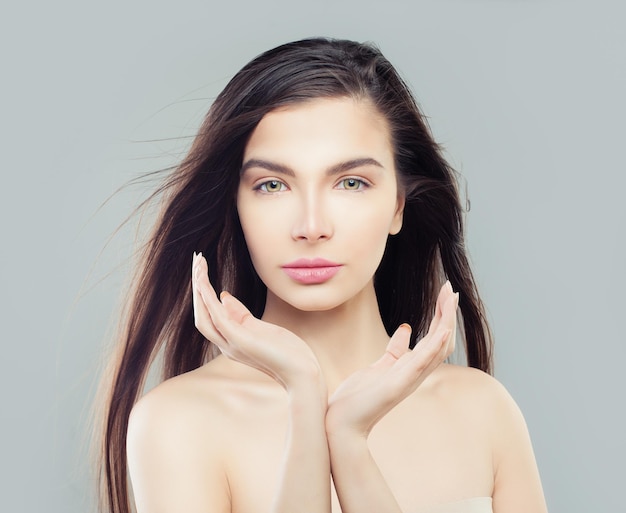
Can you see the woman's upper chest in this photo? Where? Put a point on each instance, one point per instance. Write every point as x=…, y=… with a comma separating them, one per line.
x=428, y=452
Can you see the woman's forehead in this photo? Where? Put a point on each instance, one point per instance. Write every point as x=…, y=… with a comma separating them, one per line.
x=328, y=130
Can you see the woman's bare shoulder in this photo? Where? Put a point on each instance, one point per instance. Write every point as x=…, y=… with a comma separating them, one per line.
x=198, y=395
x=175, y=442
x=180, y=432
x=473, y=393
x=176, y=408
x=487, y=405
x=461, y=382
x=480, y=396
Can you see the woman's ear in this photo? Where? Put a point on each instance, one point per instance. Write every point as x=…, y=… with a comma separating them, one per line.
x=396, y=223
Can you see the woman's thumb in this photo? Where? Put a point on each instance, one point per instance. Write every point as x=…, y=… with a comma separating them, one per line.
x=399, y=342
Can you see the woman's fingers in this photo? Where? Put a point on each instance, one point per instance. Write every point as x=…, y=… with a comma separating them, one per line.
x=451, y=306
x=235, y=308
x=431, y=350
x=367, y=395
x=436, y=346
x=425, y=357
x=399, y=342
x=217, y=312
x=226, y=316
x=398, y=345
x=248, y=340
x=444, y=293
x=447, y=322
x=202, y=316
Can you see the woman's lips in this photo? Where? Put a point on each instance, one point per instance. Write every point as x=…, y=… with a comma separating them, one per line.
x=313, y=271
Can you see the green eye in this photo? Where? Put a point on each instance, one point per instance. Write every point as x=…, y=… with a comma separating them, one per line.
x=272, y=186
x=351, y=184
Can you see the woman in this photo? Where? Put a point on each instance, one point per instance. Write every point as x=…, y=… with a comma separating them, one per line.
x=326, y=214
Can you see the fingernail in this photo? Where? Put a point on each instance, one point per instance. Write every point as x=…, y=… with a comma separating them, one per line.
x=405, y=325
x=456, y=299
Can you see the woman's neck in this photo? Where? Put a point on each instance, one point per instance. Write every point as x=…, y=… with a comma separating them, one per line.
x=344, y=339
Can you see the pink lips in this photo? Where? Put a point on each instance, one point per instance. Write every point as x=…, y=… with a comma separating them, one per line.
x=313, y=271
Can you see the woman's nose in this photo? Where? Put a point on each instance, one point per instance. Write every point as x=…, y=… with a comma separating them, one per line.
x=312, y=221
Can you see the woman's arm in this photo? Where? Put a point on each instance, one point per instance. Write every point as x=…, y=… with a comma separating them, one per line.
x=305, y=472
x=362, y=400
x=304, y=476
x=175, y=458
x=517, y=486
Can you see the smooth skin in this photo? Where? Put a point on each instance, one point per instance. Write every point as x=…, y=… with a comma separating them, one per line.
x=316, y=388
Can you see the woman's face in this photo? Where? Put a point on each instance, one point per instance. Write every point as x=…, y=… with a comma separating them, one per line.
x=317, y=200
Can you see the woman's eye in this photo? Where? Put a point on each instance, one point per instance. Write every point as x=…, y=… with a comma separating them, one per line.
x=272, y=186
x=352, y=184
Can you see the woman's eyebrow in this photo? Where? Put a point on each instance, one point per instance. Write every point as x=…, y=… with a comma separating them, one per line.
x=333, y=170
x=352, y=164
x=266, y=164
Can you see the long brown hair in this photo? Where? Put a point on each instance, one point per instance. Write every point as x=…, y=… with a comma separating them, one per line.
x=199, y=214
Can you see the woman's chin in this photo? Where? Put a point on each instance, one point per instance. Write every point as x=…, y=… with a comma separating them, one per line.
x=315, y=302
x=313, y=306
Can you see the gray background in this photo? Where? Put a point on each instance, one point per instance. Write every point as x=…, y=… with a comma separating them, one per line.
x=526, y=96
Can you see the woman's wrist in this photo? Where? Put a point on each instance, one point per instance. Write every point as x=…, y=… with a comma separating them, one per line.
x=338, y=427
x=359, y=482
x=308, y=391
x=345, y=438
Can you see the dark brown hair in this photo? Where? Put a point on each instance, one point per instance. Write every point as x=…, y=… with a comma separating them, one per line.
x=199, y=214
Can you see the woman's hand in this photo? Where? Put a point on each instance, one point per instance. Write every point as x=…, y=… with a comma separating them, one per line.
x=369, y=394
x=242, y=337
